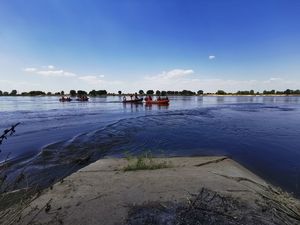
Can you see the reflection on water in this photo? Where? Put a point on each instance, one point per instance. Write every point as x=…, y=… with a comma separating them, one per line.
x=260, y=132
x=220, y=99
x=133, y=107
x=156, y=107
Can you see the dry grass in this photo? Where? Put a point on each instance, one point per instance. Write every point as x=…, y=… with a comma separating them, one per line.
x=211, y=208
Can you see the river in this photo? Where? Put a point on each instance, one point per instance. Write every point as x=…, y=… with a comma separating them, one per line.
x=261, y=133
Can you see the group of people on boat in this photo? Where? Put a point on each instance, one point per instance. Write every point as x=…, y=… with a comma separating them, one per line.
x=149, y=98
x=82, y=98
x=132, y=97
x=65, y=99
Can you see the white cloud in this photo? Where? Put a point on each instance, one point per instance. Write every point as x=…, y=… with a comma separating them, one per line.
x=211, y=57
x=50, y=72
x=180, y=81
x=172, y=74
x=56, y=73
x=69, y=74
x=92, y=80
x=274, y=79
x=30, y=69
x=176, y=79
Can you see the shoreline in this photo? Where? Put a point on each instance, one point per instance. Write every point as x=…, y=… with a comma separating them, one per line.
x=103, y=193
x=203, y=95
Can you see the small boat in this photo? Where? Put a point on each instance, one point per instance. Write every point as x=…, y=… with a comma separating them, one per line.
x=85, y=99
x=160, y=102
x=140, y=100
x=65, y=99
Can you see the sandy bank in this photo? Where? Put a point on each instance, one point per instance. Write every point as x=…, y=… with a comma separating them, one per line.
x=102, y=193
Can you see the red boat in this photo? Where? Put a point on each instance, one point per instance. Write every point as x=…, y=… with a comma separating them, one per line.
x=160, y=102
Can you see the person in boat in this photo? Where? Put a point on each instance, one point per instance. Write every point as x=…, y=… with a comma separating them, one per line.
x=146, y=99
x=83, y=98
x=158, y=98
x=124, y=98
x=131, y=96
x=136, y=96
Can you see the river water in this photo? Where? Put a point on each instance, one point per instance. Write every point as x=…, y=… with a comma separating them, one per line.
x=55, y=139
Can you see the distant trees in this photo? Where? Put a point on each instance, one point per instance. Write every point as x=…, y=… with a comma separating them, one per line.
x=297, y=92
x=286, y=92
x=251, y=92
x=172, y=92
x=187, y=92
x=101, y=92
x=81, y=93
x=184, y=92
x=96, y=93
x=73, y=93
x=163, y=93
x=92, y=93
x=13, y=92
x=272, y=92
x=35, y=93
x=200, y=92
x=150, y=92
x=290, y=92
x=221, y=92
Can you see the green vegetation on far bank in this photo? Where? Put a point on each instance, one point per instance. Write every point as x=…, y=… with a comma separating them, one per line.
x=94, y=93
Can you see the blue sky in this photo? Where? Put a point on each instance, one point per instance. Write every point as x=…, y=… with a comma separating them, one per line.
x=128, y=45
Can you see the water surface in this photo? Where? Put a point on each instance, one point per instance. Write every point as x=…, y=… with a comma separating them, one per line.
x=262, y=133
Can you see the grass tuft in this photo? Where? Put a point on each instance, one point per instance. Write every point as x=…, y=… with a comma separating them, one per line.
x=144, y=162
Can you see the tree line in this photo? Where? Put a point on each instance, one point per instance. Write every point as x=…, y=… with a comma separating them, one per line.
x=265, y=92
x=94, y=93
x=73, y=93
